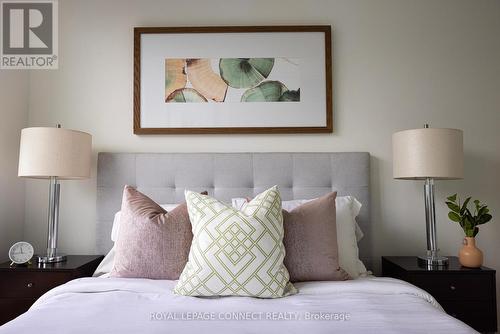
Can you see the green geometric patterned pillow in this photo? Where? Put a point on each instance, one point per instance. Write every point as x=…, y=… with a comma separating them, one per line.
x=236, y=253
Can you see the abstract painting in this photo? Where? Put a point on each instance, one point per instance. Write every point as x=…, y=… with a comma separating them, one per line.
x=232, y=80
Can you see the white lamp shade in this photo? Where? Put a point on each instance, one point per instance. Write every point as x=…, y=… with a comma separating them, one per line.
x=428, y=153
x=54, y=152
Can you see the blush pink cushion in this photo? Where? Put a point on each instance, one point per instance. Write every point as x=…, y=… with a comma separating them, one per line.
x=152, y=243
x=311, y=241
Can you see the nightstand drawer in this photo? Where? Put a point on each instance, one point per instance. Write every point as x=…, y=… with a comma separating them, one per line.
x=30, y=284
x=480, y=315
x=20, y=286
x=468, y=294
x=455, y=287
x=11, y=308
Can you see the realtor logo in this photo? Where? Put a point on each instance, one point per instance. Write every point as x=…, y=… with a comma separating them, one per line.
x=29, y=35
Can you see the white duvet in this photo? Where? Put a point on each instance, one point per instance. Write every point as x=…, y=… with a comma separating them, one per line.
x=118, y=305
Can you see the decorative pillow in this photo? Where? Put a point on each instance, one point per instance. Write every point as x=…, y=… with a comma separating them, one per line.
x=311, y=241
x=341, y=202
x=152, y=243
x=348, y=231
x=115, y=230
x=236, y=253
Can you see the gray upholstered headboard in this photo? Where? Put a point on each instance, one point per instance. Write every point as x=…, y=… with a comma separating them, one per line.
x=164, y=176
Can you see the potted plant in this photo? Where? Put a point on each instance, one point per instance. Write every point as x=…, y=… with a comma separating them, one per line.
x=470, y=255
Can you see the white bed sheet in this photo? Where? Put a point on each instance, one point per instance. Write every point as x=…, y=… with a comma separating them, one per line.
x=120, y=305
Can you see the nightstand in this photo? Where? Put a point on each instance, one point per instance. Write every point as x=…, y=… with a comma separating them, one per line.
x=465, y=293
x=21, y=286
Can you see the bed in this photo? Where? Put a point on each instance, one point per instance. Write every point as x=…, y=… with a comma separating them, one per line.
x=106, y=305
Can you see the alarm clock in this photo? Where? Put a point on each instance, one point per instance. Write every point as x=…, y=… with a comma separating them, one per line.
x=21, y=252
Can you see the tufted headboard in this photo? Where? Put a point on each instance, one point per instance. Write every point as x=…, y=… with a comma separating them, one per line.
x=164, y=176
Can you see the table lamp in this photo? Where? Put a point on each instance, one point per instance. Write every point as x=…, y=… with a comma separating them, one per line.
x=54, y=154
x=429, y=154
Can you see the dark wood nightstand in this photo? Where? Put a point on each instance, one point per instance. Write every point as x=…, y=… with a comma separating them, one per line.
x=20, y=286
x=465, y=293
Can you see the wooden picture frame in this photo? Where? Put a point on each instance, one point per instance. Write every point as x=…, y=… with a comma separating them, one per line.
x=151, y=44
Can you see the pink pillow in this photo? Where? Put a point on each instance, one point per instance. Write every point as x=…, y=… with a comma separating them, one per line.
x=311, y=241
x=152, y=243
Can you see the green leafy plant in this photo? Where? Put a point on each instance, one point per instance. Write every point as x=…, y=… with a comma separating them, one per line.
x=461, y=214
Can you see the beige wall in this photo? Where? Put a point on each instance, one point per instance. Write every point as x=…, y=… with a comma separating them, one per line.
x=13, y=117
x=397, y=65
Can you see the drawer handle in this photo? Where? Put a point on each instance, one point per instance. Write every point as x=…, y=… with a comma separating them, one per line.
x=452, y=288
x=29, y=285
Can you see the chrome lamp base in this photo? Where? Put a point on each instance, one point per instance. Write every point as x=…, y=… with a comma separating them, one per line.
x=52, y=256
x=432, y=258
x=432, y=261
x=51, y=259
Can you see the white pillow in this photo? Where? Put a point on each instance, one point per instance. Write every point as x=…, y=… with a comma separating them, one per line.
x=106, y=264
x=348, y=230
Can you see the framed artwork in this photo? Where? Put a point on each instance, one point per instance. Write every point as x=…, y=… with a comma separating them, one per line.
x=200, y=80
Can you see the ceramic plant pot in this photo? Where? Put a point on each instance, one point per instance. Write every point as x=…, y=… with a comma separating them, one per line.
x=470, y=256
